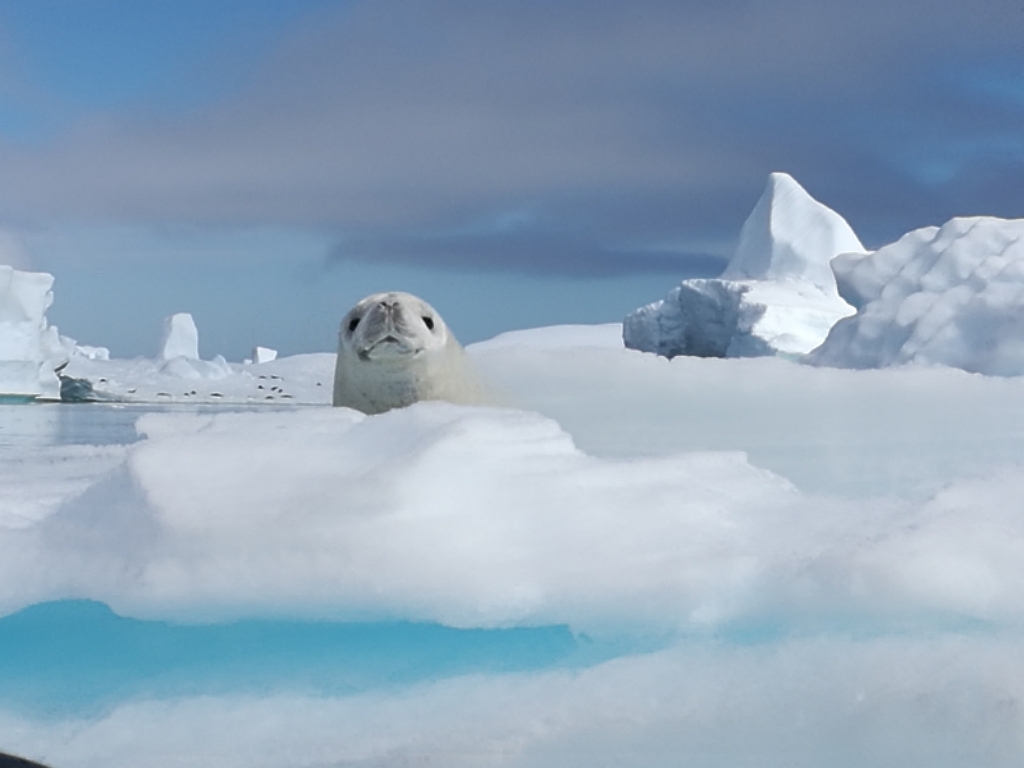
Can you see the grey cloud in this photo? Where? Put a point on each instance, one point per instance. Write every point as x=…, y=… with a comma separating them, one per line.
x=526, y=251
x=632, y=123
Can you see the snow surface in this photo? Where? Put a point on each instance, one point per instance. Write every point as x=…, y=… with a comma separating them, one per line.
x=951, y=296
x=859, y=604
x=608, y=335
x=777, y=294
x=298, y=379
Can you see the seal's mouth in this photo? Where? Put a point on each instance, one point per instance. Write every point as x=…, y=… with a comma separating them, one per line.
x=388, y=347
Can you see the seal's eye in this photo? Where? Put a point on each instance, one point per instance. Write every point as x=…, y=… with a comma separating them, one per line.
x=429, y=322
x=353, y=323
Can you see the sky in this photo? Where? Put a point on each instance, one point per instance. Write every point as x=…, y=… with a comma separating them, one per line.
x=263, y=164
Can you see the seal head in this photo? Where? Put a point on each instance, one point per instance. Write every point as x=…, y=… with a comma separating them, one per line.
x=394, y=350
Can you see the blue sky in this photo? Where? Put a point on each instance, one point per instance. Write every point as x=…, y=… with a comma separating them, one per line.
x=263, y=164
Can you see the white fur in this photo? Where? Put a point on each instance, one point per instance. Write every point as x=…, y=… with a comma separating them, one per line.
x=394, y=350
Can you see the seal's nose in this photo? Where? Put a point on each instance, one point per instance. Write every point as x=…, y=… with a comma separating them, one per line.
x=389, y=309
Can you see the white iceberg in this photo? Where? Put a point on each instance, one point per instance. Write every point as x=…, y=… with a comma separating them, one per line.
x=949, y=296
x=180, y=339
x=262, y=355
x=28, y=347
x=777, y=295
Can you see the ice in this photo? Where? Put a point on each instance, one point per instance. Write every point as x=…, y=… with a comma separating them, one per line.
x=31, y=350
x=180, y=338
x=25, y=344
x=791, y=236
x=830, y=562
x=839, y=701
x=776, y=296
x=263, y=355
x=949, y=296
x=178, y=375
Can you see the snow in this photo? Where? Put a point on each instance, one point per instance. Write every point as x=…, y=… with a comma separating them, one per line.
x=178, y=375
x=608, y=335
x=829, y=563
x=950, y=295
x=297, y=379
x=776, y=296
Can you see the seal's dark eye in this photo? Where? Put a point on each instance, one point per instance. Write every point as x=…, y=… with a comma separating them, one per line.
x=352, y=324
x=429, y=322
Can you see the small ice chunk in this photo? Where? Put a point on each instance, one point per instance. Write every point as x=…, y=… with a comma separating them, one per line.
x=263, y=354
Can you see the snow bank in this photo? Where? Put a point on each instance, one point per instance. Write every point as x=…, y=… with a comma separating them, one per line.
x=810, y=425
x=951, y=296
x=606, y=336
x=777, y=295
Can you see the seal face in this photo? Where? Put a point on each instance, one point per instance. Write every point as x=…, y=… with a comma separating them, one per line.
x=394, y=350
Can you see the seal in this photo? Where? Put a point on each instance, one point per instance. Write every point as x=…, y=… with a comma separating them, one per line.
x=394, y=350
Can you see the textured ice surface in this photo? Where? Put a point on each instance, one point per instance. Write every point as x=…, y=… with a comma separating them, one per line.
x=951, y=296
x=777, y=295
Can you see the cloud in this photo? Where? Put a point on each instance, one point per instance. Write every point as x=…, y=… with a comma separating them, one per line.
x=380, y=121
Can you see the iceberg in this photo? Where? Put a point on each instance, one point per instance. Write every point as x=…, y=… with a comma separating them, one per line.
x=180, y=339
x=27, y=345
x=262, y=355
x=950, y=295
x=776, y=296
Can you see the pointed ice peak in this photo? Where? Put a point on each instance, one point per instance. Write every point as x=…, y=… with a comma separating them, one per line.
x=181, y=338
x=791, y=236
